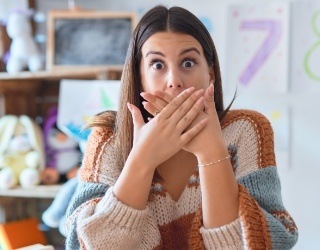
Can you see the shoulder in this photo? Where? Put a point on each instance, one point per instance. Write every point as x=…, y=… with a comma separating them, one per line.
x=99, y=152
x=251, y=134
x=255, y=118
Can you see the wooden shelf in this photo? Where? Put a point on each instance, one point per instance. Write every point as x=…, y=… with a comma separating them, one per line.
x=40, y=191
x=32, y=93
x=87, y=73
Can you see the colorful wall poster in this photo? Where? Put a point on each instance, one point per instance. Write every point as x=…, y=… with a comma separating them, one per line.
x=81, y=99
x=305, y=46
x=257, y=55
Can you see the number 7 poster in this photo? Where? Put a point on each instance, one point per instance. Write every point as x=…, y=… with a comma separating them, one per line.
x=257, y=47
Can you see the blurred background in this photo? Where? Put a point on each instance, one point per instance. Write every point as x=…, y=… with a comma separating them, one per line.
x=269, y=54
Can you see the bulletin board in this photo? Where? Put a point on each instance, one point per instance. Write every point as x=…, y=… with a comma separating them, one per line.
x=83, y=39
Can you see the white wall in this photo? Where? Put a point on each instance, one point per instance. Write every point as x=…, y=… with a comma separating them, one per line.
x=301, y=181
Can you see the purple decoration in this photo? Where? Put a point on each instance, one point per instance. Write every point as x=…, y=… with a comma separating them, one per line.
x=269, y=44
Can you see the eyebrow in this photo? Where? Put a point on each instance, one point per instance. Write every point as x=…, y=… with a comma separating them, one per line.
x=182, y=53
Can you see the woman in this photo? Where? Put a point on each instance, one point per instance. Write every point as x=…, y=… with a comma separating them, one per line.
x=195, y=175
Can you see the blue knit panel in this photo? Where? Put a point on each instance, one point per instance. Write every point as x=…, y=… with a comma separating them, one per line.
x=85, y=192
x=264, y=186
x=281, y=238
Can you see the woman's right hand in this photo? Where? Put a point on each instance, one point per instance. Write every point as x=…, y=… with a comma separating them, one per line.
x=163, y=136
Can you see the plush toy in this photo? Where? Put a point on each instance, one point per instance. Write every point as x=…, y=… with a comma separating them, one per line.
x=21, y=151
x=54, y=216
x=62, y=152
x=24, y=53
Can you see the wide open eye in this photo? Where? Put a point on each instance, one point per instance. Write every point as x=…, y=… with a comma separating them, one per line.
x=189, y=63
x=157, y=64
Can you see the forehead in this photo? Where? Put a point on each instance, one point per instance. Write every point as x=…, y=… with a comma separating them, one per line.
x=171, y=42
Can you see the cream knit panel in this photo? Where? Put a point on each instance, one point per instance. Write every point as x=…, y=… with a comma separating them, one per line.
x=228, y=237
x=165, y=210
x=244, y=136
x=109, y=169
x=106, y=223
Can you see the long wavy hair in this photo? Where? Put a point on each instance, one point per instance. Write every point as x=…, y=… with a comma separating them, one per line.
x=157, y=19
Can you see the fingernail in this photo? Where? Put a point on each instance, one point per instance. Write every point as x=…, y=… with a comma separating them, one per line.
x=199, y=92
x=142, y=93
x=211, y=90
x=200, y=101
x=189, y=89
x=144, y=103
x=129, y=106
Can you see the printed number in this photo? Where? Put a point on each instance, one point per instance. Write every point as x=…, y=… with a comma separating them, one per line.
x=269, y=44
x=307, y=58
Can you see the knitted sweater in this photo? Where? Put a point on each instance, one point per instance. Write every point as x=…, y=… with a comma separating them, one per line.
x=98, y=220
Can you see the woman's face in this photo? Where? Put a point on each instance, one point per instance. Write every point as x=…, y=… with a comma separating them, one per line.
x=173, y=62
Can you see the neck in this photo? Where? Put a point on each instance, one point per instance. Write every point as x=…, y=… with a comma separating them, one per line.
x=181, y=164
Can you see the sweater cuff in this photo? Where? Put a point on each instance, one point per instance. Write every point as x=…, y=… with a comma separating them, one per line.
x=225, y=237
x=122, y=215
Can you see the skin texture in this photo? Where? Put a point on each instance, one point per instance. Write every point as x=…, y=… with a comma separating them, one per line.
x=178, y=87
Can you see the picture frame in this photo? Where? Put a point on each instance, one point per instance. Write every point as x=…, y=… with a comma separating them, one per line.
x=88, y=39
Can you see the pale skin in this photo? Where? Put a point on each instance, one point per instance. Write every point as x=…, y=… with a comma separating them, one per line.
x=178, y=85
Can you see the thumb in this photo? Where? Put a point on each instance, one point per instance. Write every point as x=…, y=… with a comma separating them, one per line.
x=209, y=104
x=136, y=115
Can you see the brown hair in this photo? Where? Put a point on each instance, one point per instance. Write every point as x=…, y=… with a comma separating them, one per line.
x=157, y=19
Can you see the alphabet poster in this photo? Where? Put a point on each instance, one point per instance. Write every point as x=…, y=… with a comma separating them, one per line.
x=305, y=50
x=257, y=55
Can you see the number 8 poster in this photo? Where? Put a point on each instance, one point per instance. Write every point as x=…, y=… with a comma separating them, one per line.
x=257, y=49
x=305, y=46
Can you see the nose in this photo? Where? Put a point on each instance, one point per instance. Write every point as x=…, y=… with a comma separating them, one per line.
x=174, y=80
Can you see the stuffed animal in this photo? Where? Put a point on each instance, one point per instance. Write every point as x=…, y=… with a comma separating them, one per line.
x=62, y=152
x=24, y=53
x=21, y=151
x=54, y=216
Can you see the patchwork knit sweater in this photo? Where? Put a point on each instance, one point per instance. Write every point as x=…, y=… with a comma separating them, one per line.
x=97, y=220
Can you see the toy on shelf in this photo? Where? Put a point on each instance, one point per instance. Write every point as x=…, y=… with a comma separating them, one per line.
x=62, y=152
x=21, y=151
x=54, y=216
x=23, y=53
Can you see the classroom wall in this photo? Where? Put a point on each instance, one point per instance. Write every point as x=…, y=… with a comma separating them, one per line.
x=298, y=103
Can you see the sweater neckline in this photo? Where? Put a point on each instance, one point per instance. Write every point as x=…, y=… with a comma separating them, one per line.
x=158, y=189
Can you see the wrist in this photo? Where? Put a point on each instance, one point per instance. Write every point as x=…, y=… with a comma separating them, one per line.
x=212, y=154
x=141, y=167
x=206, y=164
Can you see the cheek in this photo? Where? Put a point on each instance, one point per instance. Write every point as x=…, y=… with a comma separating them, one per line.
x=150, y=81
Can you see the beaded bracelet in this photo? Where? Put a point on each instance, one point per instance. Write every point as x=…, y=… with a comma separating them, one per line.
x=214, y=162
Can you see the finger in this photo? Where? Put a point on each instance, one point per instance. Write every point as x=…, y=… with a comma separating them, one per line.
x=185, y=107
x=137, y=118
x=185, y=122
x=163, y=95
x=209, y=104
x=192, y=132
x=155, y=100
x=176, y=103
x=150, y=108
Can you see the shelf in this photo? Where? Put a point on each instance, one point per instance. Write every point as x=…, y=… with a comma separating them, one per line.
x=40, y=191
x=93, y=73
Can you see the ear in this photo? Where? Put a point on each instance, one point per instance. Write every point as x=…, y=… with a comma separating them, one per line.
x=8, y=124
